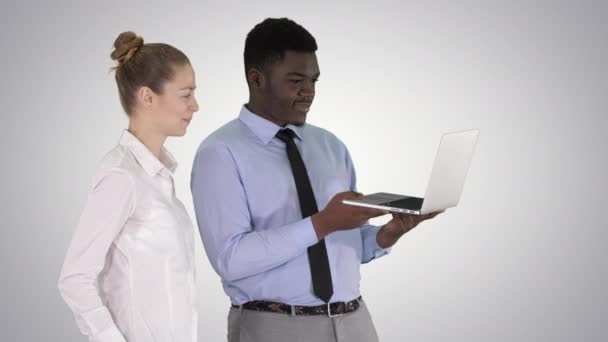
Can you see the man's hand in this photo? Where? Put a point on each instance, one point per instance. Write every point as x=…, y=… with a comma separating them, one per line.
x=399, y=225
x=339, y=216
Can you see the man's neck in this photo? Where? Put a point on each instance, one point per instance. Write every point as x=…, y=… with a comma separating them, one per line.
x=260, y=110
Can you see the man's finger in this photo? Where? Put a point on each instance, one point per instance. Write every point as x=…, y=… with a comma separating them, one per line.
x=375, y=212
x=351, y=195
x=431, y=215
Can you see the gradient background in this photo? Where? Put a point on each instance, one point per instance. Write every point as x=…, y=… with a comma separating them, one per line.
x=523, y=257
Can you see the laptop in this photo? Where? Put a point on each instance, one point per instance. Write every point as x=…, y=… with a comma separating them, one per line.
x=445, y=184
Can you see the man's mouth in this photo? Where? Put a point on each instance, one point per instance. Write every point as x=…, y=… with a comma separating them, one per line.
x=303, y=105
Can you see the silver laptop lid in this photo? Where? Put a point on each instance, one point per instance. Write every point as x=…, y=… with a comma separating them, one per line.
x=449, y=170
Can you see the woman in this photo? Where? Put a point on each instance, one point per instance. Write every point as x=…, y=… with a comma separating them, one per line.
x=129, y=271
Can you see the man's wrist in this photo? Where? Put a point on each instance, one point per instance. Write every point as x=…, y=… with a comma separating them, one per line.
x=386, y=238
x=320, y=224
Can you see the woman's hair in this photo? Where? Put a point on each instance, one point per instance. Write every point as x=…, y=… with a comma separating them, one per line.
x=143, y=65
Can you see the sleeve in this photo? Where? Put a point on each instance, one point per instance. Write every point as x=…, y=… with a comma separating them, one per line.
x=234, y=249
x=110, y=202
x=371, y=249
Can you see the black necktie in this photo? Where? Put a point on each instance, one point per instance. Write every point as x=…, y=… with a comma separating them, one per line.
x=317, y=253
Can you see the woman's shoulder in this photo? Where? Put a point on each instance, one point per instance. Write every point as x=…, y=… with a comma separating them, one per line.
x=118, y=163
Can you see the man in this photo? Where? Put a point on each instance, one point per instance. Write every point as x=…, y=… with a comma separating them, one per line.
x=268, y=191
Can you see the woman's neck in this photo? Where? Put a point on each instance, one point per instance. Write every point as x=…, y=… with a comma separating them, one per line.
x=149, y=137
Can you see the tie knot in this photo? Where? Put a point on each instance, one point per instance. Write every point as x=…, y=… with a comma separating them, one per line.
x=285, y=135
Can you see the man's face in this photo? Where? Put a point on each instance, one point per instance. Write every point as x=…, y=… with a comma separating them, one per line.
x=290, y=87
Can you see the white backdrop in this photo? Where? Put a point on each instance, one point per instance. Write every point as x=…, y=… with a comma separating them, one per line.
x=523, y=258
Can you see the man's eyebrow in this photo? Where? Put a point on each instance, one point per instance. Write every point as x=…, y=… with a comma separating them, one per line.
x=302, y=75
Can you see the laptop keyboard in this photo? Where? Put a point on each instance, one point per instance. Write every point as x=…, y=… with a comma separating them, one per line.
x=412, y=203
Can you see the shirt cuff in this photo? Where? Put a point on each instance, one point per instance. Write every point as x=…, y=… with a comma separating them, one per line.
x=109, y=335
x=371, y=249
x=303, y=233
x=99, y=326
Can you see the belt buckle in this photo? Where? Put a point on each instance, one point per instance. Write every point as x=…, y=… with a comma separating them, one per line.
x=329, y=312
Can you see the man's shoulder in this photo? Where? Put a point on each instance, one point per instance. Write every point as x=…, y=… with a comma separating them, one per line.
x=224, y=143
x=323, y=135
x=229, y=134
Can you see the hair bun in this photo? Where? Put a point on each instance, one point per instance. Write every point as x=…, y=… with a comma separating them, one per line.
x=125, y=46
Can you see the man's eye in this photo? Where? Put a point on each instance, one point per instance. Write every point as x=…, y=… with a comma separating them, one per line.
x=295, y=81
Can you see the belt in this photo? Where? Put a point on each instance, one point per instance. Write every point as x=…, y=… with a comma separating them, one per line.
x=329, y=309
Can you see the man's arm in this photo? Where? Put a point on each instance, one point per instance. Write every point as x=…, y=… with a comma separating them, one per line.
x=234, y=249
x=371, y=249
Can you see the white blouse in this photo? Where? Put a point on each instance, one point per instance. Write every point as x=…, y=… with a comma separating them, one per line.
x=129, y=271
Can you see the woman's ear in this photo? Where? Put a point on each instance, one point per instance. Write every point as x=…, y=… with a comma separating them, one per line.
x=145, y=96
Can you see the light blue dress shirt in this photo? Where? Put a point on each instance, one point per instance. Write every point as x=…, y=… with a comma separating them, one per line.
x=249, y=215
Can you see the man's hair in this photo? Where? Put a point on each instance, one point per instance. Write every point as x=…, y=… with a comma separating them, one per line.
x=267, y=42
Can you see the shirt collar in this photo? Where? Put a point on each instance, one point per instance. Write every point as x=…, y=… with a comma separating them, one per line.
x=145, y=157
x=264, y=129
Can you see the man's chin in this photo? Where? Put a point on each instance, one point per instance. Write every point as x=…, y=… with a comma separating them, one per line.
x=299, y=119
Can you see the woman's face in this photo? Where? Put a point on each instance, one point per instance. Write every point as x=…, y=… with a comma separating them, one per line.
x=172, y=110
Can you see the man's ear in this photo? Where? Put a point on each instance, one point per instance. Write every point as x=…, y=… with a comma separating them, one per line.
x=256, y=79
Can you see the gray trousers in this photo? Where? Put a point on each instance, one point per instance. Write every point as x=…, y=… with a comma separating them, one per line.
x=258, y=326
